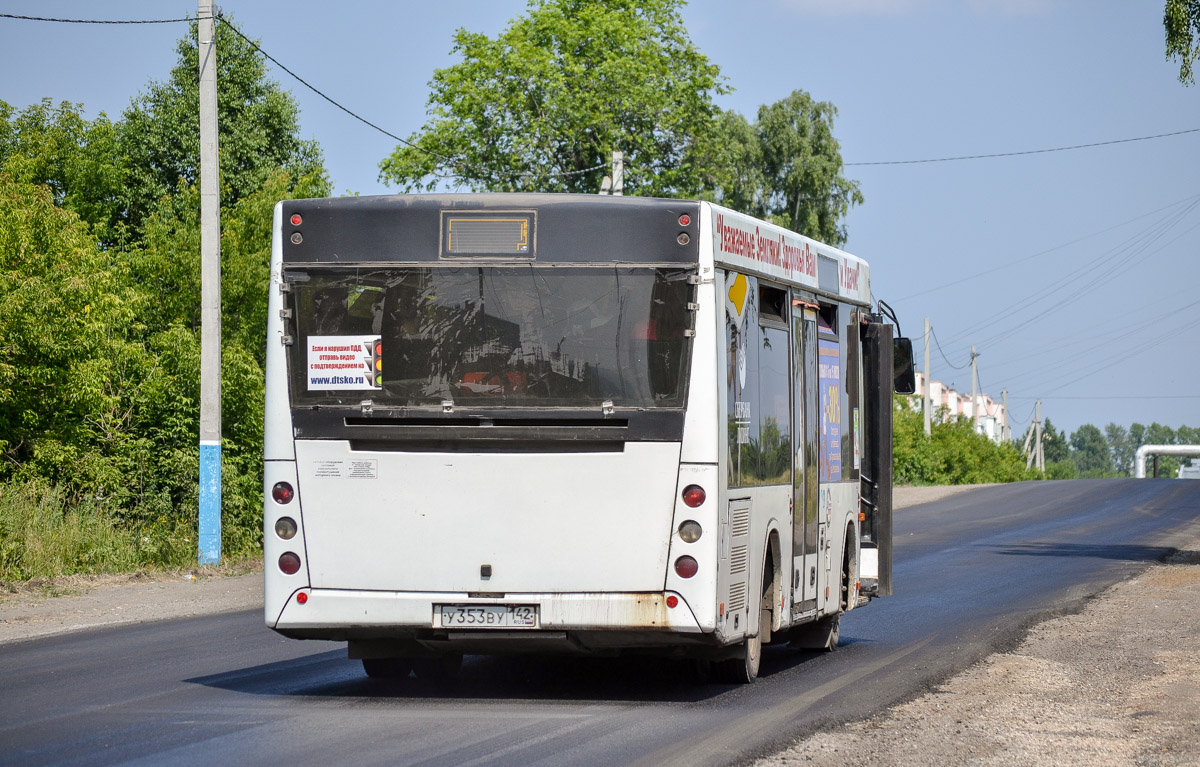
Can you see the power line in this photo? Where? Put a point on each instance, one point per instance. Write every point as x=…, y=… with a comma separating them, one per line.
x=448, y=160
x=1027, y=151
x=939, y=348
x=221, y=18
x=1119, y=396
x=1009, y=265
x=94, y=21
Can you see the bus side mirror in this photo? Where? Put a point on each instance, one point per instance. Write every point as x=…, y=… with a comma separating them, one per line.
x=903, y=375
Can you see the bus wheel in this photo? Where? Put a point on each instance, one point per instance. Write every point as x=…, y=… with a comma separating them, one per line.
x=387, y=668
x=743, y=667
x=439, y=667
x=818, y=635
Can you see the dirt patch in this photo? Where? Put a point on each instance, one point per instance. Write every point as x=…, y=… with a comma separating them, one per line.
x=909, y=495
x=1116, y=684
x=60, y=605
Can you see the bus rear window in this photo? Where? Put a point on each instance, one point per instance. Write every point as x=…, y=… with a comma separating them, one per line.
x=525, y=336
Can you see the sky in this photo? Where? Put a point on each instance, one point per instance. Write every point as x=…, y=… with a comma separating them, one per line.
x=1076, y=274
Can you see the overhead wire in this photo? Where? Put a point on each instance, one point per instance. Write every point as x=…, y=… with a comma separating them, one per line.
x=1008, y=265
x=219, y=17
x=1103, y=269
x=1027, y=151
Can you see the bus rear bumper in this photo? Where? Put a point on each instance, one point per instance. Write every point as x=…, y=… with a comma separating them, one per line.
x=595, y=619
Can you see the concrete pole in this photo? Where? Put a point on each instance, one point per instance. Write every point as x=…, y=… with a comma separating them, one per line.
x=210, y=295
x=1005, y=430
x=927, y=397
x=618, y=177
x=1041, y=454
x=974, y=390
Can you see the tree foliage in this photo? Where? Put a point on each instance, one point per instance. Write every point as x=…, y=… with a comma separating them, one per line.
x=543, y=106
x=99, y=305
x=1181, y=19
x=785, y=167
x=1091, y=453
x=77, y=159
x=953, y=454
x=258, y=128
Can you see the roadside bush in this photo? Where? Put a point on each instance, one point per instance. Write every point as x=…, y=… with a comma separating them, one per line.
x=953, y=454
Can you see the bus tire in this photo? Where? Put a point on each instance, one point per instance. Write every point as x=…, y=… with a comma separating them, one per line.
x=821, y=634
x=438, y=667
x=387, y=668
x=743, y=667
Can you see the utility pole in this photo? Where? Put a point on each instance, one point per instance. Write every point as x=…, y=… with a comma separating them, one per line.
x=1041, y=453
x=927, y=395
x=974, y=390
x=618, y=175
x=1005, y=430
x=1036, y=455
x=210, y=294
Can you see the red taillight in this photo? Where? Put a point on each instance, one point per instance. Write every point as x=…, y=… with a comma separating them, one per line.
x=296, y=220
x=693, y=495
x=672, y=601
x=282, y=492
x=301, y=598
x=289, y=563
x=685, y=219
x=686, y=567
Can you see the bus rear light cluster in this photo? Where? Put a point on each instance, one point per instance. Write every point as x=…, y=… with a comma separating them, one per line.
x=285, y=528
x=690, y=531
x=693, y=495
x=289, y=563
x=686, y=567
x=296, y=220
x=282, y=493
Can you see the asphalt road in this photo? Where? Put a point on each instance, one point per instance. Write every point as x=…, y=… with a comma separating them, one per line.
x=972, y=572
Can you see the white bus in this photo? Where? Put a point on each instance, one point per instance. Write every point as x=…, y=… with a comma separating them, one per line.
x=564, y=423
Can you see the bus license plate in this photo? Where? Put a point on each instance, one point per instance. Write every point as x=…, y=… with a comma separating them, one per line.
x=487, y=616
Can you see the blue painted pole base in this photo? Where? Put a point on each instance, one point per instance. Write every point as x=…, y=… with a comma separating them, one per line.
x=210, y=503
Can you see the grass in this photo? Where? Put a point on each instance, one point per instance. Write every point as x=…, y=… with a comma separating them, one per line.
x=45, y=535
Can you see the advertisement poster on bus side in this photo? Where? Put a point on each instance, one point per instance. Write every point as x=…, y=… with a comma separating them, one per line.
x=829, y=380
x=341, y=363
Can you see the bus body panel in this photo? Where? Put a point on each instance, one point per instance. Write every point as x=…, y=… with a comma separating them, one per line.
x=491, y=522
x=334, y=610
x=277, y=421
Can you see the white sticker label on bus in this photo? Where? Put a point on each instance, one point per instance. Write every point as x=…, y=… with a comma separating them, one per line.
x=339, y=363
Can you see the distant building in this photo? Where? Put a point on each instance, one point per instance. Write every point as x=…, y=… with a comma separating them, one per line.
x=949, y=404
x=1189, y=470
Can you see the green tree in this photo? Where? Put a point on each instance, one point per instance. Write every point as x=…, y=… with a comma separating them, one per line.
x=786, y=167
x=542, y=106
x=953, y=454
x=1055, y=445
x=79, y=160
x=258, y=123
x=1090, y=452
x=1181, y=18
x=71, y=361
x=1120, y=446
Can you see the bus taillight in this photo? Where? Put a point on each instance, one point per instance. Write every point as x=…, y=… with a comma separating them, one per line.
x=282, y=493
x=296, y=220
x=285, y=528
x=289, y=563
x=685, y=567
x=693, y=495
